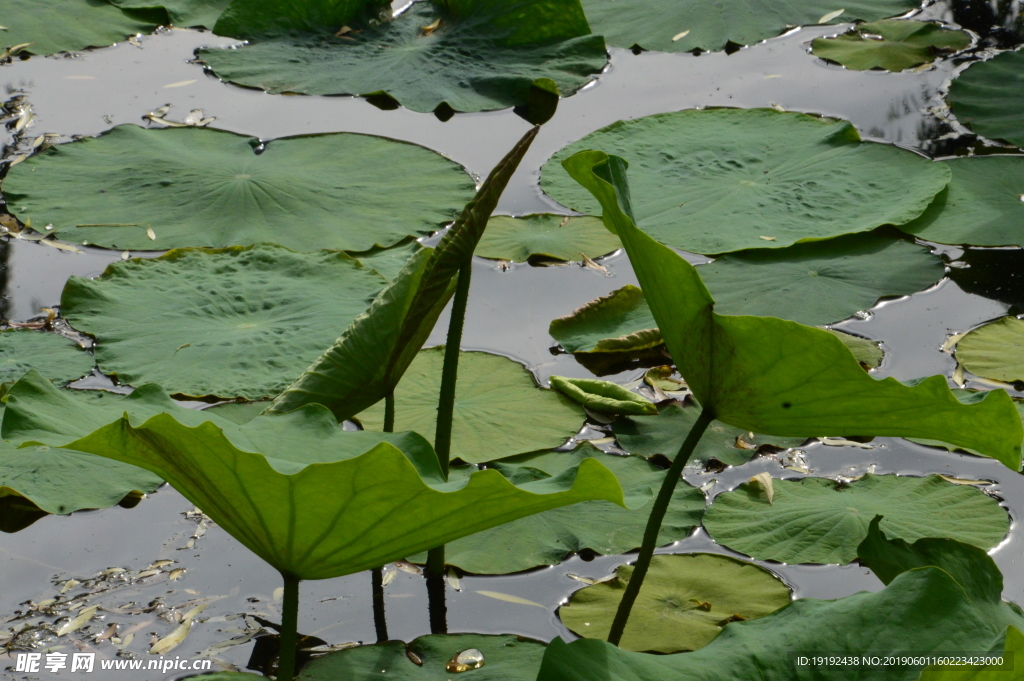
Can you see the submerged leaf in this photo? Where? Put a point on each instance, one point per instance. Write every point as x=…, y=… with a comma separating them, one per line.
x=603, y=397
x=891, y=45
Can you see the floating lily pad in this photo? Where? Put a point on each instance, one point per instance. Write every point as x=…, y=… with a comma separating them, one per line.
x=618, y=322
x=817, y=520
x=664, y=434
x=989, y=97
x=546, y=235
x=202, y=187
x=182, y=13
x=67, y=25
x=57, y=358
x=995, y=350
x=482, y=55
x=671, y=26
x=983, y=204
x=547, y=538
x=718, y=180
x=683, y=604
x=389, y=261
x=232, y=322
x=495, y=399
x=506, y=658
x=891, y=45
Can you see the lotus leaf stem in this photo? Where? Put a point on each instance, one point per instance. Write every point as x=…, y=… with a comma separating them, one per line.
x=389, y=412
x=289, y=628
x=450, y=372
x=380, y=624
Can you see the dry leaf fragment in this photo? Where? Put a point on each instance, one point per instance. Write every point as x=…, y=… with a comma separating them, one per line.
x=587, y=262
x=150, y=233
x=342, y=31
x=680, y=36
x=125, y=255
x=453, y=579
x=176, y=574
x=406, y=566
x=766, y=238
x=160, y=563
x=958, y=374
x=389, y=575
x=60, y=245
x=743, y=444
x=965, y=481
x=172, y=640
x=180, y=83
x=830, y=16
x=566, y=219
x=764, y=480
x=427, y=30
x=69, y=585
x=111, y=630
x=508, y=598
x=79, y=621
x=843, y=442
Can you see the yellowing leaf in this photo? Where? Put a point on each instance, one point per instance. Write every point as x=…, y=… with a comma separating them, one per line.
x=765, y=481
x=680, y=36
x=830, y=16
x=78, y=622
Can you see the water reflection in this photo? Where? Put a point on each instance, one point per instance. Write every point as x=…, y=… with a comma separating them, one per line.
x=999, y=23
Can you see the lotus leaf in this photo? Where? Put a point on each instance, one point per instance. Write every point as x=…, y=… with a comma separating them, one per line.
x=56, y=357
x=234, y=322
x=483, y=54
x=1012, y=648
x=922, y=609
x=506, y=658
x=547, y=538
x=989, y=97
x=239, y=412
x=255, y=18
x=817, y=520
x=692, y=25
x=618, y=322
x=664, y=434
x=341, y=191
x=389, y=262
x=545, y=235
x=68, y=25
x=982, y=205
x=684, y=602
x=495, y=397
x=995, y=350
x=718, y=180
x=777, y=377
x=890, y=44
x=182, y=13
x=603, y=397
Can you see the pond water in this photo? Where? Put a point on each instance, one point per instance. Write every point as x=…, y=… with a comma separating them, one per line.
x=509, y=312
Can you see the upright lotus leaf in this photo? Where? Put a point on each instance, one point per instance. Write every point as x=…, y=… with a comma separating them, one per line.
x=494, y=398
x=505, y=658
x=68, y=25
x=1011, y=650
x=995, y=350
x=777, y=377
x=981, y=206
x=139, y=189
x=989, y=97
x=182, y=13
x=368, y=360
x=58, y=358
x=464, y=55
x=547, y=538
x=684, y=603
x=603, y=397
x=890, y=44
x=718, y=180
x=946, y=599
x=546, y=235
x=233, y=322
x=817, y=520
x=689, y=25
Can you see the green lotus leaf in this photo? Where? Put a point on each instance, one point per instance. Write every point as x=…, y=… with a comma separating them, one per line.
x=865, y=351
x=664, y=434
x=891, y=45
x=965, y=396
x=981, y=206
x=989, y=97
x=389, y=262
x=777, y=377
x=603, y=397
x=182, y=13
x=944, y=591
x=58, y=358
x=68, y=25
x=547, y=538
x=254, y=18
x=506, y=658
x=341, y=191
x=691, y=25
x=545, y=235
x=817, y=520
x=239, y=412
x=494, y=397
x=683, y=604
x=1012, y=648
x=618, y=322
x=995, y=350
x=484, y=54
x=234, y=322
x=718, y=180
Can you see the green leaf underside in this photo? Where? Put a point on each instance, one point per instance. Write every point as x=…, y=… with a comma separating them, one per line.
x=499, y=410
x=547, y=538
x=603, y=397
x=817, y=520
x=717, y=180
x=506, y=658
x=545, y=235
x=182, y=13
x=995, y=350
x=202, y=187
x=664, y=434
x=981, y=206
x=776, y=377
x=66, y=25
x=683, y=604
x=989, y=97
x=233, y=322
x=58, y=358
x=296, y=489
x=891, y=45
x=478, y=62
x=653, y=25
x=1012, y=648
x=923, y=609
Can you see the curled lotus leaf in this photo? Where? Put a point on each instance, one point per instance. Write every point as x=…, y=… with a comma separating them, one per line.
x=603, y=397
